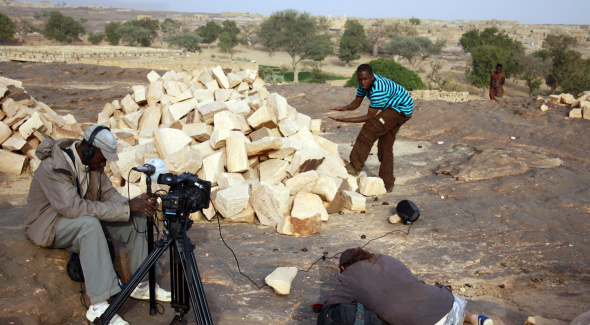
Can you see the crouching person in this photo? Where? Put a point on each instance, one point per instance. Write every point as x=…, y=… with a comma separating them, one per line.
x=72, y=204
x=385, y=286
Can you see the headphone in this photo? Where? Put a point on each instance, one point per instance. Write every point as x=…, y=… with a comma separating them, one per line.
x=89, y=150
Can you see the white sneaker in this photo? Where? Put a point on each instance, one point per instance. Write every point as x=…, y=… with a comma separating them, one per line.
x=94, y=312
x=142, y=292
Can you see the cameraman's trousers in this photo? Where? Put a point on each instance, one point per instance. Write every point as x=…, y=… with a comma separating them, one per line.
x=382, y=127
x=86, y=236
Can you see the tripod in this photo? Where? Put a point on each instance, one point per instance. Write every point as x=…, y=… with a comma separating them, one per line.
x=184, y=275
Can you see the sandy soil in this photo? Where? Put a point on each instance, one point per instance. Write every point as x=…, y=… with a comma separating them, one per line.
x=514, y=244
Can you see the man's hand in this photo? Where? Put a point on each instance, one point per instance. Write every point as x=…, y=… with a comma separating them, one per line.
x=338, y=109
x=339, y=119
x=143, y=204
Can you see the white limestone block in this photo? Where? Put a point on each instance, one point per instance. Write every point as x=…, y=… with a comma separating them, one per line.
x=155, y=92
x=153, y=76
x=198, y=131
x=263, y=145
x=288, y=127
x=307, y=214
x=179, y=110
x=231, y=201
x=227, y=180
x=236, y=156
x=170, y=140
x=129, y=105
x=187, y=159
x=354, y=201
x=266, y=206
x=288, y=147
x=233, y=79
x=31, y=125
x=213, y=166
x=316, y=125
x=306, y=160
x=273, y=171
x=207, y=111
x=132, y=119
x=262, y=117
x=139, y=94
x=280, y=279
x=14, y=143
x=220, y=77
x=371, y=186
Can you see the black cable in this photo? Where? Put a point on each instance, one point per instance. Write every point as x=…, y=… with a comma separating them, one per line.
x=312, y=264
x=237, y=262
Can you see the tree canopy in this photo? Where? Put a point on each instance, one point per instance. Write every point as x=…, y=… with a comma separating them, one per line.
x=95, y=38
x=568, y=69
x=209, y=32
x=134, y=35
x=111, y=34
x=353, y=42
x=7, y=27
x=296, y=33
x=228, y=38
x=414, y=49
x=533, y=69
x=62, y=28
x=187, y=41
x=377, y=32
x=392, y=71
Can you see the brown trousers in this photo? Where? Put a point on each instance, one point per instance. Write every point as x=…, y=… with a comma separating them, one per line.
x=383, y=127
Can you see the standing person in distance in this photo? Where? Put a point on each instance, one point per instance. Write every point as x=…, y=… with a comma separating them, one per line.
x=391, y=106
x=497, y=80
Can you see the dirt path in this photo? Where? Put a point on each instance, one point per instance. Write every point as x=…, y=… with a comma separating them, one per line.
x=515, y=244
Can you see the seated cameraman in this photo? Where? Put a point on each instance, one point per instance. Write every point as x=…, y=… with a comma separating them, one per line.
x=72, y=204
x=387, y=287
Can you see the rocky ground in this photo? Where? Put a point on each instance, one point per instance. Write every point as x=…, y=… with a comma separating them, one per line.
x=503, y=189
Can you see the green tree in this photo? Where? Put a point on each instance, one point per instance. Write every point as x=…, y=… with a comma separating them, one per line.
x=489, y=36
x=95, y=38
x=7, y=28
x=322, y=48
x=414, y=49
x=532, y=70
x=567, y=63
x=83, y=20
x=249, y=34
x=393, y=71
x=414, y=21
x=187, y=41
x=377, y=32
x=354, y=41
x=134, y=35
x=62, y=28
x=151, y=25
x=111, y=34
x=296, y=33
x=41, y=15
x=209, y=32
x=228, y=39
x=174, y=26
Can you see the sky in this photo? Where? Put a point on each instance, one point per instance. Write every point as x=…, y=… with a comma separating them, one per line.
x=525, y=11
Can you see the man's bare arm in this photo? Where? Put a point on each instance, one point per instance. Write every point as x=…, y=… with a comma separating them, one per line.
x=358, y=119
x=350, y=107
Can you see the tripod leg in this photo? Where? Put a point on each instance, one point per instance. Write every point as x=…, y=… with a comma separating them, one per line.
x=195, y=286
x=143, y=269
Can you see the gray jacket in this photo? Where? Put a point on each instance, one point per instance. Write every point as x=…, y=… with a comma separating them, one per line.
x=54, y=195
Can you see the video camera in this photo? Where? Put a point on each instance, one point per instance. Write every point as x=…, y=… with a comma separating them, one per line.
x=187, y=194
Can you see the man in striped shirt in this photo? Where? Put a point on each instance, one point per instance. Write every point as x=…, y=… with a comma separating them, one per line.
x=391, y=106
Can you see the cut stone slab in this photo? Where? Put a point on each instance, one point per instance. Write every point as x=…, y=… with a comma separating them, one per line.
x=326, y=145
x=258, y=84
x=129, y=105
x=262, y=117
x=132, y=119
x=277, y=107
x=213, y=166
x=303, y=120
x=281, y=193
x=288, y=148
x=236, y=156
x=207, y=111
x=227, y=180
x=222, y=95
x=333, y=166
x=245, y=216
x=179, y=110
x=204, y=95
x=172, y=87
x=30, y=126
x=226, y=120
x=302, y=182
x=187, y=159
x=155, y=91
x=187, y=94
x=555, y=99
x=170, y=140
x=266, y=206
x=273, y=171
x=241, y=107
x=5, y=132
x=205, y=148
x=371, y=186
x=307, y=214
x=248, y=75
x=586, y=112
x=567, y=99
x=326, y=187
x=306, y=160
x=233, y=79
x=285, y=227
x=220, y=77
x=288, y=127
x=305, y=136
x=231, y=201
x=263, y=145
x=153, y=76
x=139, y=94
x=316, y=125
x=12, y=163
x=199, y=131
x=151, y=117
x=260, y=133
x=280, y=279
x=354, y=201
x=14, y=143
x=575, y=113
x=218, y=137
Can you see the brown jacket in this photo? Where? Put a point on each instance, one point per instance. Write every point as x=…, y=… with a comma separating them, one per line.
x=54, y=195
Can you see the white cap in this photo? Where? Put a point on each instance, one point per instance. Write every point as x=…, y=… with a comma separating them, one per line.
x=105, y=141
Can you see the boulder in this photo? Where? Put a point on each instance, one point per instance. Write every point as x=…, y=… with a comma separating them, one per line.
x=132, y=119
x=155, y=92
x=306, y=160
x=151, y=117
x=567, y=99
x=31, y=125
x=227, y=180
x=586, y=112
x=129, y=105
x=198, y=131
x=139, y=94
x=220, y=77
x=285, y=227
x=153, y=76
x=263, y=145
x=302, y=182
x=555, y=99
x=354, y=201
x=575, y=113
x=288, y=147
x=213, y=166
x=5, y=132
x=226, y=120
x=288, y=127
x=245, y=216
x=187, y=159
x=262, y=117
x=266, y=206
x=14, y=143
x=307, y=213
x=180, y=109
x=326, y=187
x=280, y=279
x=207, y=111
x=260, y=133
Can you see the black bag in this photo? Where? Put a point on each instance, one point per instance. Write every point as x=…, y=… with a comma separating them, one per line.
x=347, y=314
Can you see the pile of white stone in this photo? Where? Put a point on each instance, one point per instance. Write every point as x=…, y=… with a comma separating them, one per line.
x=580, y=105
x=262, y=157
x=23, y=124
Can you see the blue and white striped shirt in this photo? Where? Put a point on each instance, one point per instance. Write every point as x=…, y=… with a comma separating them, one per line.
x=387, y=94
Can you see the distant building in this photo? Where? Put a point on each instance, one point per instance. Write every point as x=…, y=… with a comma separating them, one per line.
x=44, y=4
